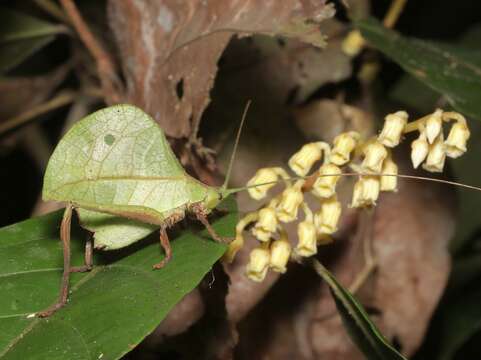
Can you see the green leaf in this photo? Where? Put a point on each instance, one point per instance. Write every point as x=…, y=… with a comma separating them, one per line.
x=362, y=331
x=110, y=310
x=21, y=35
x=452, y=71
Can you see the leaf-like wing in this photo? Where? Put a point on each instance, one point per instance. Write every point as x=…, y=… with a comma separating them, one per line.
x=117, y=160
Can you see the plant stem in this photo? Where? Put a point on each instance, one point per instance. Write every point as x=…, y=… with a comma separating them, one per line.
x=393, y=13
x=60, y=100
x=111, y=85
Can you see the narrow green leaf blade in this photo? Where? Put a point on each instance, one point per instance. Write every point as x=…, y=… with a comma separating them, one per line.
x=362, y=331
x=452, y=71
x=110, y=310
x=21, y=35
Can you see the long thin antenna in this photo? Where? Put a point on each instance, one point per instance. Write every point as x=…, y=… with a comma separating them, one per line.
x=354, y=174
x=234, y=151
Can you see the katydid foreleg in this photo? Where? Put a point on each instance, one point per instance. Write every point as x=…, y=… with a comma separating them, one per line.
x=165, y=243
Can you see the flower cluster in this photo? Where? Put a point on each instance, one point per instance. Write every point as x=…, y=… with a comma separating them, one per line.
x=372, y=162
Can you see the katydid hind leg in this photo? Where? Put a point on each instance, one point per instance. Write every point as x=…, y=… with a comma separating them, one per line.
x=165, y=243
x=88, y=259
x=65, y=237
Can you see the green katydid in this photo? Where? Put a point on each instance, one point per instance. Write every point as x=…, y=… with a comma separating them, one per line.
x=116, y=168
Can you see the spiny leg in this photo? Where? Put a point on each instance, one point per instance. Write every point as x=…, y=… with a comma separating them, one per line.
x=165, y=243
x=88, y=259
x=202, y=217
x=65, y=237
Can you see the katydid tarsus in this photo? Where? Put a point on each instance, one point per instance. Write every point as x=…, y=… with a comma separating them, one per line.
x=117, y=170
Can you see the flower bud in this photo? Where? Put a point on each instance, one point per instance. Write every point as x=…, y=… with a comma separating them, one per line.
x=434, y=125
x=353, y=43
x=291, y=199
x=302, y=161
x=325, y=184
x=419, y=150
x=327, y=217
x=366, y=192
x=389, y=183
x=266, y=225
x=344, y=144
x=280, y=253
x=436, y=156
x=394, y=124
x=455, y=144
x=258, y=264
x=374, y=155
x=265, y=175
x=307, y=244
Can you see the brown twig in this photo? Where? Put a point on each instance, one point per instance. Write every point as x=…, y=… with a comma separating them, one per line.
x=60, y=100
x=109, y=80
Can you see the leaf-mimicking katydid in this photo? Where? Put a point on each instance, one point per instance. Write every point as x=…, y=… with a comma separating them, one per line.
x=116, y=168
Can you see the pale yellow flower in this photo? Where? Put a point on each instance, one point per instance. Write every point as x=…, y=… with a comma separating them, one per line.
x=301, y=162
x=291, y=199
x=455, y=144
x=436, y=156
x=280, y=253
x=344, y=144
x=419, y=150
x=353, y=43
x=374, y=155
x=266, y=225
x=267, y=176
x=327, y=218
x=394, y=124
x=389, y=183
x=366, y=191
x=325, y=184
x=258, y=264
x=434, y=124
x=307, y=244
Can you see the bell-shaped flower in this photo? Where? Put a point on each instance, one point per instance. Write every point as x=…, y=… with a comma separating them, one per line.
x=394, y=124
x=291, y=198
x=419, y=150
x=434, y=124
x=344, y=144
x=238, y=243
x=366, y=191
x=307, y=235
x=258, y=264
x=327, y=218
x=388, y=175
x=266, y=176
x=301, y=162
x=455, y=144
x=325, y=184
x=374, y=155
x=436, y=156
x=266, y=225
x=280, y=254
